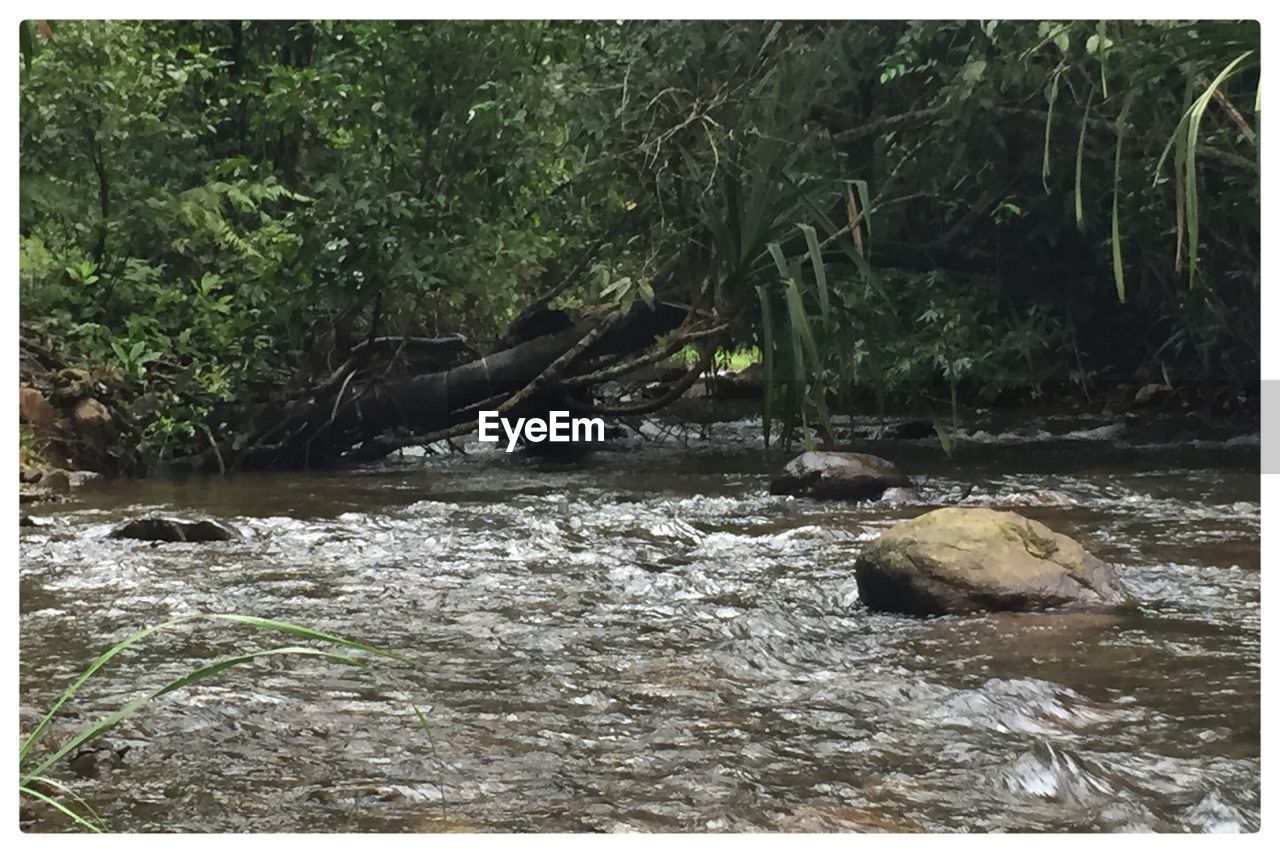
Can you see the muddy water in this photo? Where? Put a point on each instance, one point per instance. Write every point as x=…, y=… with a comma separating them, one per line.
x=648, y=641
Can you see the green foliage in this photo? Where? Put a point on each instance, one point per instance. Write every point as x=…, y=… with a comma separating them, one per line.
x=211, y=208
x=208, y=207
x=954, y=157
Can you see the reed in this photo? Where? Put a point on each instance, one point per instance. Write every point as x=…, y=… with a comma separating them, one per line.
x=33, y=778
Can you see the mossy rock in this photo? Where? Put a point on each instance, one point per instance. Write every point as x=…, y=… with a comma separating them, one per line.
x=960, y=560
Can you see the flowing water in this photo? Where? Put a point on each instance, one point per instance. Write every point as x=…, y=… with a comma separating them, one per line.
x=648, y=641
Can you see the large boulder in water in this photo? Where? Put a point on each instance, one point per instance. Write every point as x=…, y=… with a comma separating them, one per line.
x=956, y=560
x=158, y=529
x=832, y=475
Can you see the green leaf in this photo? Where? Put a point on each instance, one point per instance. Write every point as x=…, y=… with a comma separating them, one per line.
x=251, y=621
x=767, y=360
x=1079, y=194
x=803, y=333
x=90, y=732
x=819, y=269
x=1192, y=191
x=85, y=822
x=945, y=439
x=1048, y=128
x=1117, y=261
x=87, y=813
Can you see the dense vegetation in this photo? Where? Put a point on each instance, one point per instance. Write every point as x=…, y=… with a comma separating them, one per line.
x=214, y=211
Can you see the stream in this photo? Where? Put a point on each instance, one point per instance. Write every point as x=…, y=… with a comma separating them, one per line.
x=648, y=641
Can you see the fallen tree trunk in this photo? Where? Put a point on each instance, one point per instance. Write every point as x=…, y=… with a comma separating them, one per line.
x=364, y=410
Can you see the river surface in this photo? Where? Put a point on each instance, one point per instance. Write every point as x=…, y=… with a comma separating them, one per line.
x=648, y=641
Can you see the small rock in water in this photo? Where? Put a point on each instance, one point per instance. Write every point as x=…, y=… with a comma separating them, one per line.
x=56, y=481
x=28, y=494
x=158, y=529
x=908, y=430
x=97, y=762
x=957, y=560
x=831, y=475
x=1151, y=392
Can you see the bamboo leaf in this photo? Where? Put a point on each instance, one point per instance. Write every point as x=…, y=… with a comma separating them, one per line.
x=1195, y=115
x=1084, y=125
x=1048, y=129
x=1117, y=261
x=1179, y=183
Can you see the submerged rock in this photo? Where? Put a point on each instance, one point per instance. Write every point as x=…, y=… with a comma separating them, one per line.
x=1151, y=392
x=56, y=481
x=830, y=475
x=157, y=529
x=957, y=560
x=907, y=430
x=97, y=762
x=900, y=495
x=28, y=494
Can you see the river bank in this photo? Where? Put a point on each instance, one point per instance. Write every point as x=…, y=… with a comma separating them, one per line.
x=69, y=435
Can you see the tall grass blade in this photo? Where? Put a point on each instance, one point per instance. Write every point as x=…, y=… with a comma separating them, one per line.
x=766, y=360
x=45, y=798
x=794, y=407
x=1195, y=115
x=88, y=812
x=814, y=211
x=252, y=621
x=864, y=218
x=1084, y=126
x=1102, y=58
x=100, y=662
x=90, y=732
x=309, y=634
x=945, y=438
x=803, y=333
x=761, y=197
x=1179, y=182
x=819, y=269
x=1117, y=261
x=779, y=261
x=426, y=730
x=1048, y=130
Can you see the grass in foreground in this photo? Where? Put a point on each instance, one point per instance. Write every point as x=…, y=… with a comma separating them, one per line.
x=33, y=778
